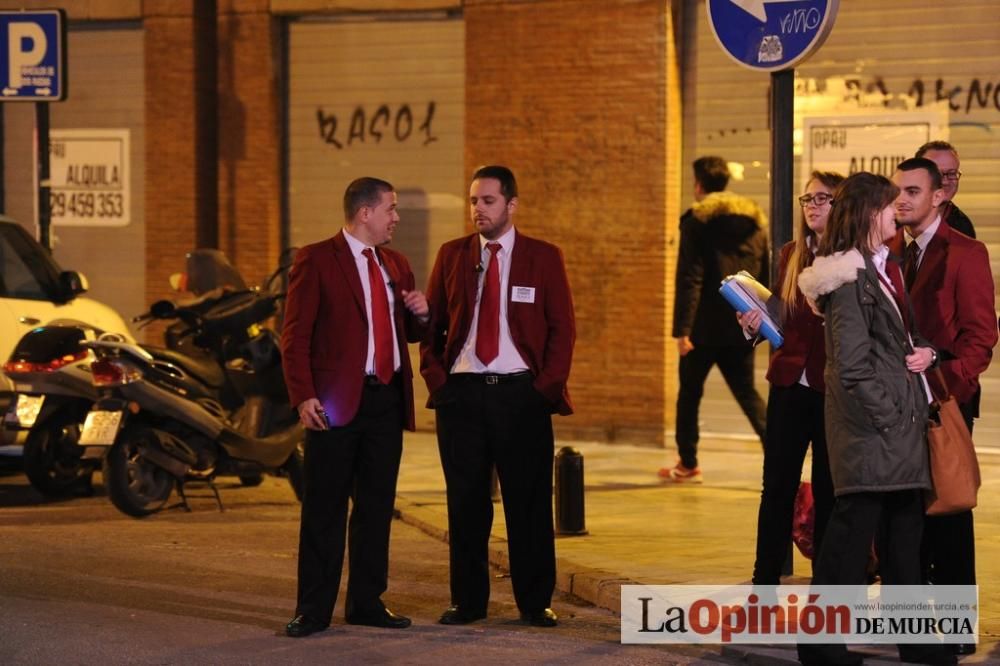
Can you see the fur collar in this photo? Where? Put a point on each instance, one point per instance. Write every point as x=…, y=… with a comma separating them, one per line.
x=727, y=203
x=829, y=273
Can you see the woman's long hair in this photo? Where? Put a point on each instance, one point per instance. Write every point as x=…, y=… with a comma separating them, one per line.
x=856, y=202
x=801, y=254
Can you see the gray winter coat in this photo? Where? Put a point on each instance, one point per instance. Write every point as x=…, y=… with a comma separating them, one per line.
x=876, y=410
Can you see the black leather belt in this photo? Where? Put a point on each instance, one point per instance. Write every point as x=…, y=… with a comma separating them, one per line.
x=373, y=380
x=490, y=379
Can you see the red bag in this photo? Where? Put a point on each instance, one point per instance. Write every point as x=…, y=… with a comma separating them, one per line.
x=804, y=520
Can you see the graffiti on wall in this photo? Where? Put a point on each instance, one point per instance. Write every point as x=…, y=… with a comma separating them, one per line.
x=966, y=97
x=390, y=122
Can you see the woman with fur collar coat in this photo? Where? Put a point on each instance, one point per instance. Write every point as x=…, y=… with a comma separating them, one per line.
x=876, y=403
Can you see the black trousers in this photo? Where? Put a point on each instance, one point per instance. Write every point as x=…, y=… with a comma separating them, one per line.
x=509, y=425
x=360, y=462
x=736, y=366
x=794, y=421
x=948, y=551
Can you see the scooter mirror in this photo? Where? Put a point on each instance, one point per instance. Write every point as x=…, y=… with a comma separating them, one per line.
x=162, y=309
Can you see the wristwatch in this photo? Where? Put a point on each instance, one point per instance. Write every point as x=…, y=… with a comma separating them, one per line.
x=934, y=357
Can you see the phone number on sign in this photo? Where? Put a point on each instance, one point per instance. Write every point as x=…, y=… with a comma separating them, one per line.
x=86, y=204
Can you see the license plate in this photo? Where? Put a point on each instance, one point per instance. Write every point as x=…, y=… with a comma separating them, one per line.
x=24, y=411
x=100, y=428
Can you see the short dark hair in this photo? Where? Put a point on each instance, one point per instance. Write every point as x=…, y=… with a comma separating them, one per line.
x=712, y=173
x=929, y=166
x=363, y=192
x=508, y=186
x=935, y=145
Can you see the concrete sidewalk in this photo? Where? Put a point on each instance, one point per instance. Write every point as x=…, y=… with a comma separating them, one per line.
x=644, y=531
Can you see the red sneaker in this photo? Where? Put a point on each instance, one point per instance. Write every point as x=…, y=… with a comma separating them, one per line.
x=681, y=474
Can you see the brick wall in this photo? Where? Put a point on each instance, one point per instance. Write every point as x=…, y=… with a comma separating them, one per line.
x=573, y=96
x=170, y=208
x=249, y=199
x=249, y=137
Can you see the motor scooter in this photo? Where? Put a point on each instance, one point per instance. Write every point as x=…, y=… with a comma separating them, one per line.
x=53, y=378
x=167, y=421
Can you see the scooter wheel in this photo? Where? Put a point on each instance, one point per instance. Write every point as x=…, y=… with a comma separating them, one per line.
x=251, y=480
x=135, y=485
x=52, y=458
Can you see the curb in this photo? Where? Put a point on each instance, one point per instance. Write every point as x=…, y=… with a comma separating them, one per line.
x=597, y=587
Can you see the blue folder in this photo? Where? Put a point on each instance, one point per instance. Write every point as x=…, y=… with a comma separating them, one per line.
x=744, y=293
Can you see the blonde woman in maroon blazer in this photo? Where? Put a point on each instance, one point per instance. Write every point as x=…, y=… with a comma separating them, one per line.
x=350, y=311
x=496, y=361
x=795, y=402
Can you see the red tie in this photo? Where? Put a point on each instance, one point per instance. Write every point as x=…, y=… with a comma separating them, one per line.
x=381, y=321
x=488, y=329
x=898, y=292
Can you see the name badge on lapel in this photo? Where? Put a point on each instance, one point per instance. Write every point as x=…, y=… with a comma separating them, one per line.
x=523, y=295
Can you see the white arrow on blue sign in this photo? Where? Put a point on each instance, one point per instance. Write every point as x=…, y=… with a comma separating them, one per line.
x=33, y=56
x=771, y=35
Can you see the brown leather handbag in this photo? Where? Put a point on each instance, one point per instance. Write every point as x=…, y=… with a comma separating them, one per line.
x=954, y=466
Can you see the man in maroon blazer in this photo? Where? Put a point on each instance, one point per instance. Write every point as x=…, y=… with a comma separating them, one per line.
x=496, y=360
x=951, y=287
x=350, y=311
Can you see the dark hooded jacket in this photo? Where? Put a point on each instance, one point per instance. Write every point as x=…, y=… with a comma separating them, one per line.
x=722, y=234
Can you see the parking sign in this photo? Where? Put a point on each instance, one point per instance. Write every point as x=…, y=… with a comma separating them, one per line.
x=33, y=56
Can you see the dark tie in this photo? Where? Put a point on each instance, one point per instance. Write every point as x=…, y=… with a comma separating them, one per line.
x=899, y=293
x=488, y=329
x=911, y=259
x=381, y=321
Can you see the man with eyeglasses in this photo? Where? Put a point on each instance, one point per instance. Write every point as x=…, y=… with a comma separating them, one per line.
x=945, y=156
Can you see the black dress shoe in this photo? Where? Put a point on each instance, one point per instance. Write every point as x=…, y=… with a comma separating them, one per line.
x=926, y=654
x=303, y=625
x=543, y=618
x=962, y=649
x=457, y=615
x=383, y=617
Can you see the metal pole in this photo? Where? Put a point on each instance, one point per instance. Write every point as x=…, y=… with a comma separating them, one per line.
x=782, y=125
x=44, y=212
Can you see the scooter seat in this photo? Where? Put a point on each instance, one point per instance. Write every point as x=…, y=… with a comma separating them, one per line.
x=205, y=368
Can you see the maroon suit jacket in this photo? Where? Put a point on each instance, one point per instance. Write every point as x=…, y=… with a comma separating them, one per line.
x=805, y=345
x=324, y=340
x=543, y=332
x=953, y=305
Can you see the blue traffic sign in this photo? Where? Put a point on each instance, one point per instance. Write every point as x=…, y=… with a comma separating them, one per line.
x=33, y=56
x=771, y=35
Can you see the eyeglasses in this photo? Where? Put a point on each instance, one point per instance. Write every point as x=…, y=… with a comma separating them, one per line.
x=954, y=174
x=820, y=199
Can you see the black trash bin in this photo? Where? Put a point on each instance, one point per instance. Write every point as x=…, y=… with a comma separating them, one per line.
x=569, y=492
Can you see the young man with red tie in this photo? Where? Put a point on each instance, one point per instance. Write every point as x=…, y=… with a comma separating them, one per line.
x=496, y=361
x=350, y=311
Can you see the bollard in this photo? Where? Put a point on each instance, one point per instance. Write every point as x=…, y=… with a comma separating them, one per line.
x=569, y=492
x=494, y=485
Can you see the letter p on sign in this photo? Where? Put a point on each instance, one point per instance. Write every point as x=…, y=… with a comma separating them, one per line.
x=26, y=45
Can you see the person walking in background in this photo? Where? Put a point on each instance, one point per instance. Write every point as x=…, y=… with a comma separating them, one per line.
x=496, y=361
x=351, y=309
x=721, y=234
x=944, y=155
x=951, y=285
x=795, y=402
x=876, y=404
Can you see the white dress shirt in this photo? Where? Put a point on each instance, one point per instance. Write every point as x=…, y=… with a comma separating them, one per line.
x=508, y=360
x=361, y=261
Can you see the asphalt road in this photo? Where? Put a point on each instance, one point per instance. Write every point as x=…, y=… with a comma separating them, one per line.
x=81, y=583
